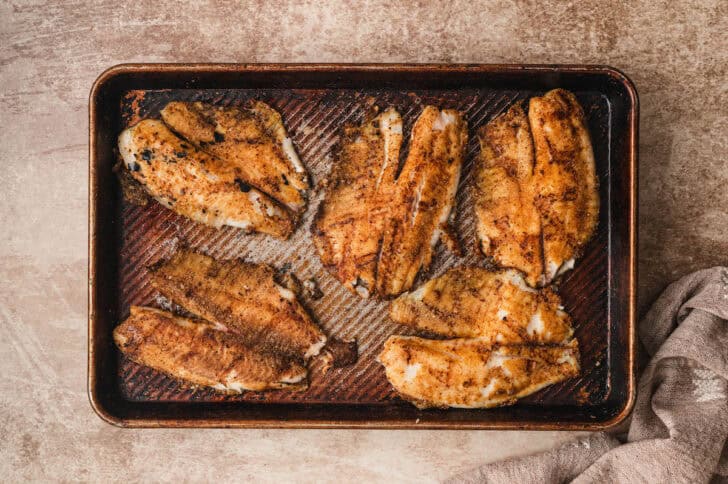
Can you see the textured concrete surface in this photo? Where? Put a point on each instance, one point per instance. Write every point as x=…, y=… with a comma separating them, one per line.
x=676, y=52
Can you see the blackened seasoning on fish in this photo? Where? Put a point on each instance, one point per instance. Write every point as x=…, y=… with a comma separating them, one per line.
x=245, y=137
x=244, y=187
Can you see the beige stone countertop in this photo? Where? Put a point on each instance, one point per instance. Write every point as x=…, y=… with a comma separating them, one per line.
x=676, y=52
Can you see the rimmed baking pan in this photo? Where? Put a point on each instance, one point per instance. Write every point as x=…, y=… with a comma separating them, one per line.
x=316, y=100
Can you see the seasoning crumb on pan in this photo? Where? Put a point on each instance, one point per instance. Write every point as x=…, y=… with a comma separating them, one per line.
x=132, y=191
x=312, y=289
x=339, y=353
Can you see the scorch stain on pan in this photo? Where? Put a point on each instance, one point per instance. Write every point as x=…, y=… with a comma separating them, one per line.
x=313, y=119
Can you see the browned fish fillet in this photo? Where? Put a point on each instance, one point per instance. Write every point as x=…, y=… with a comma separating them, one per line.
x=243, y=297
x=537, y=209
x=567, y=196
x=375, y=233
x=508, y=225
x=195, y=184
x=252, y=139
x=497, y=307
x=471, y=373
x=348, y=228
x=202, y=354
x=423, y=200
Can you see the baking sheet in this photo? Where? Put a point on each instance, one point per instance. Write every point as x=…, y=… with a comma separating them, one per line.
x=314, y=118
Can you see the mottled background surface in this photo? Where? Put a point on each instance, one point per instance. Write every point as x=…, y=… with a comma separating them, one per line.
x=676, y=52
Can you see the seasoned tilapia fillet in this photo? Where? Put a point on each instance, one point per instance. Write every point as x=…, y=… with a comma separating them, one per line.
x=497, y=307
x=252, y=139
x=508, y=225
x=243, y=297
x=567, y=196
x=471, y=373
x=196, y=184
x=424, y=198
x=348, y=228
x=375, y=231
x=536, y=196
x=201, y=353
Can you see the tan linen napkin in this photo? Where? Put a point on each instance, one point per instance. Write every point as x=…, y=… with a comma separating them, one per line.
x=680, y=419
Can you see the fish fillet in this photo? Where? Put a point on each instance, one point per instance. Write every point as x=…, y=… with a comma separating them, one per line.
x=348, y=228
x=508, y=225
x=196, y=184
x=375, y=230
x=200, y=353
x=243, y=297
x=567, y=196
x=423, y=199
x=497, y=307
x=252, y=139
x=471, y=373
x=536, y=195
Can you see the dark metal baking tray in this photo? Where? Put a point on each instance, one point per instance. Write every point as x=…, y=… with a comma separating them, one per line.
x=316, y=101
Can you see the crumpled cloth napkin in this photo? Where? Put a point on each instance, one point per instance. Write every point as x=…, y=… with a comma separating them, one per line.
x=680, y=419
